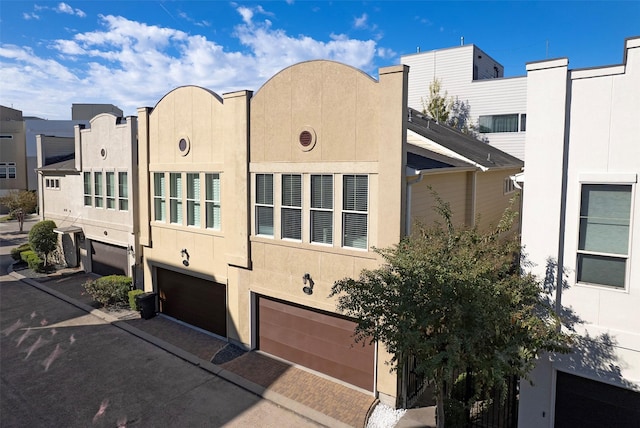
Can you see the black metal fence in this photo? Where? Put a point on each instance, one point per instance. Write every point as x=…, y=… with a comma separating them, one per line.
x=500, y=410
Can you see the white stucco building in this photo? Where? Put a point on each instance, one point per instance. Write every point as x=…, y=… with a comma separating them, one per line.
x=497, y=104
x=581, y=212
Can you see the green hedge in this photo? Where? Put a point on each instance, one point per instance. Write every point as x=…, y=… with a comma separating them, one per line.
x=33, y=260
x=15, y=252
x=132, y=299
x=109, y=290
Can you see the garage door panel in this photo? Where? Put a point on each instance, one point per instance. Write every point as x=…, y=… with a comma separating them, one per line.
x=355, y=374
x=107, y=259
x=193, y=300
x=318, y=340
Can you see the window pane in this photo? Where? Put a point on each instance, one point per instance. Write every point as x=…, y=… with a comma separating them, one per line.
x=355, y=230
x=291, y=223
x=498, y=123
x=97, y=178
x=264, y=189
x=356, y=193
x=213, y=187
x=322, y=226
x=264, y=220
x=604, y=218
x=292, y=190
x=322, y=191
x=87, y=189
x=160, y=208
x=212, y=201
x=123, y=191
x=111, y=190
x=213, y=216
x=601, y=270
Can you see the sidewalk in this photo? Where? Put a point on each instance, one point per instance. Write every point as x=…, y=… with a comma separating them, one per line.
x=321, y=400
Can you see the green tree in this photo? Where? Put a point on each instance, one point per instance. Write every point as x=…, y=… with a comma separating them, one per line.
x=20, y=203
x=43, y=239
x=455, y=298
x=437, y=106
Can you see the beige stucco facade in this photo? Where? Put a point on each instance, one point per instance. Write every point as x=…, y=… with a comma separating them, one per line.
x=13, y=155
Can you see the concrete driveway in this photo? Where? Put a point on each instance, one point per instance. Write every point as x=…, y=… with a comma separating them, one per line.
x=63, y=367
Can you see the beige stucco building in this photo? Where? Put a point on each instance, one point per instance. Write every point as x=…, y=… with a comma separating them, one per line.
x=13, y=158
x=253, y=205
x=91, y=194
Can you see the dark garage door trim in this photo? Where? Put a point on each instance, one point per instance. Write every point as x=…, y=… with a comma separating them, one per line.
x=196, y=301
x=319, y=340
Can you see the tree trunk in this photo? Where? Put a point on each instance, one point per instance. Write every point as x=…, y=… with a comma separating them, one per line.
x=20, y=216
x=440, y=408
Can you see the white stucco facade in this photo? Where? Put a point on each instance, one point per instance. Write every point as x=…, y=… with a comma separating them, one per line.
x=582, y=138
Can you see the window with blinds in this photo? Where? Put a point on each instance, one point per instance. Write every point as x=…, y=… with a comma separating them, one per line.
x=264, y=204
x=111, y=190
x=97, y=179
x=123, y=191
x=355, y=201
x=603, y=244
x=193, y=199
x=88, y=195
x=159, y=197
x=291, y=209
x=175, y=197
x=322, y=209
x=212, y=201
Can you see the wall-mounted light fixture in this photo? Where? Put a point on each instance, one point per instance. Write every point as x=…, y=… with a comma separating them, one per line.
x=307, y=289
x=131, y=251
x=185, y=256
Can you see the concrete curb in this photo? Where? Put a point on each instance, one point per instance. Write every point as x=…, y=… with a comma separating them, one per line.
x=243, y=383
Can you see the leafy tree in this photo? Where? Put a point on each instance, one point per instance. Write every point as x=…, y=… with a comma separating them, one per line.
x=43, y=239
x=20, y=203
x=437, y=106
x=455, y=298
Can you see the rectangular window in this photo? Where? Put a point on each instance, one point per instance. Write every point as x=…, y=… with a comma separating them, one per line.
x=264, y=204
x=159, y=197
x=509, y=186
x=291, y=206
x=175, y=197
x=3, y=170
x=603, y=244
x=123, y=191
x=52, y=183
x=111, y=189
x=193, y=199
x=212, y=201
x=97, y=179
x=322, y=209
x=523, y=122
x=498, y=123
x=11, y=167
x=88, y=196
x=355, y=196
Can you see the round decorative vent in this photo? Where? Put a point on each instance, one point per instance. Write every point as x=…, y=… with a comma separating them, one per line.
x=184, y=145
x=306, y=138
x=103, y=153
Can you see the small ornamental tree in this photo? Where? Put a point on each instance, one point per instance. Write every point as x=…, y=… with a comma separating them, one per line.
x=20, y=203
x=455, y=298
x=43, y=239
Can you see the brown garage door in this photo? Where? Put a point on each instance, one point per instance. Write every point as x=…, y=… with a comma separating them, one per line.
x=318, y=340
x=586, y=403
x=195, y=301
x=107, y=259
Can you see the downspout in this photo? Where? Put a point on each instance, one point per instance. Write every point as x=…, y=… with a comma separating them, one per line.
x=410, y=182
x=474, y=178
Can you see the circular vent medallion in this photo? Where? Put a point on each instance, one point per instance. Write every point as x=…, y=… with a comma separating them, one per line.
x=306, y=138
x=184, y=145
x=103, y=153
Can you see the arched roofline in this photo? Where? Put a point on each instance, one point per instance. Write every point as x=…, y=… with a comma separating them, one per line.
x=315, y=60
x=215, y=95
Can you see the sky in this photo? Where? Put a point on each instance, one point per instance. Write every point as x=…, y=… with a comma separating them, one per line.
x=131, y=53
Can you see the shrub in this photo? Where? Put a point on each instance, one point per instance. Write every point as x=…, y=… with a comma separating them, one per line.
x=132, y=299
x=43, y=239
x=109, y=290
x=15, y=252
x=33, y=260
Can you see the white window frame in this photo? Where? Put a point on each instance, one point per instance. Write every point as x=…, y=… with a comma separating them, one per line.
x=212, y=201
x=355, y=213
x=88, y=197
x=629, y=180
x=175, y=198
x=159, y=197
x=110, y=189
x=98, y=187
x=264, y=204
x=288, y=206
x=123, y=191
x=52, y=183
x=321, y=207
x=193, y=197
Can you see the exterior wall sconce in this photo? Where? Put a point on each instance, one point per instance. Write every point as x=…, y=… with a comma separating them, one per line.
x=307, y=289
x=185, y=256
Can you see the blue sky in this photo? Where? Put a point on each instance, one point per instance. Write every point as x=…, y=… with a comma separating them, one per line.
x=131, y=53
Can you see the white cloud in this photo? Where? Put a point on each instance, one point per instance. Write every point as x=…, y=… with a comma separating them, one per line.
x=29, y=16
x=132, y=64
x=360, y=22
x=65, y=8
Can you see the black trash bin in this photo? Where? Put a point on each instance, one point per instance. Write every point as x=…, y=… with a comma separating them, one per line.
x=146, y=303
